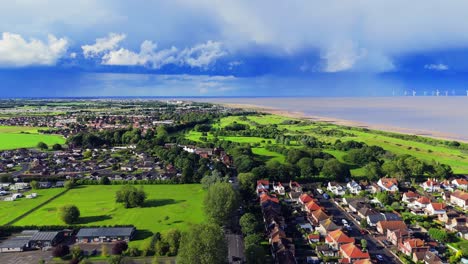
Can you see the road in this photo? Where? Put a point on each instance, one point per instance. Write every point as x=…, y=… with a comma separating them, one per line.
x=373, y=246
x=233, y=236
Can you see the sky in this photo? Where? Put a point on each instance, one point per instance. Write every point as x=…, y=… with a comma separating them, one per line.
x=232, y=48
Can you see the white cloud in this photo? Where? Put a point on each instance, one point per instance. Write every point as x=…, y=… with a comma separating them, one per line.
x=201, y=55
x=436, y=67
x=111, y=42
x=15, y=51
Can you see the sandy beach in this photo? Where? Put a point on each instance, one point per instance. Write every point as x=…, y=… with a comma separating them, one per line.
x=343, y=122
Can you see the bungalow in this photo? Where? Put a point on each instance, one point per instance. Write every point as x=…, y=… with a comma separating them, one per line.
x=336, y=188
x=351, y=253
x=421, y=202
x=278, y=188
x=373, y=219
x=460, y=183
x=459, y=198
x=431, y=185
x=366, y=211
x=435, y=209
x=295, y=186
x=409, y=197
x=312, y=206
x=388, y=184
x=105, y=234
x=356, y=204
x=305, y=198
x=383, y=226
x=337, y=238
x=412, y=245
x=325, y=250
x=316, y=216
x=353, y=187
x=313, y=238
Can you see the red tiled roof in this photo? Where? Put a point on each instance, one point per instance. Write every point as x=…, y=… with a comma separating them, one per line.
x=339, y=237
x=388, y=182
x=363, y=261
x=411, y=194
x=423, y=200
x=461, y=181
x=414, y=242
x=305, y=198
x=312, y=206
x=353, y=252
x=460, y=195
x=263, y=182
x=438, y=206
x=265, y=197
x=391, y=225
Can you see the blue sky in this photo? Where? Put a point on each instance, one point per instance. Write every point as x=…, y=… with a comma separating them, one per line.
x=213, y=48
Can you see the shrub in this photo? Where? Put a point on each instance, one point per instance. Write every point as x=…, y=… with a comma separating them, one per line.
x=60, y=251
x=69, y=214
x=119, y=247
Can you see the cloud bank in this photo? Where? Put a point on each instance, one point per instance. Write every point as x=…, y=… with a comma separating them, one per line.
x=15, y=51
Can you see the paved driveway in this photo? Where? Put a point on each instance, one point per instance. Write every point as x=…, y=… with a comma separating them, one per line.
x=27, y=257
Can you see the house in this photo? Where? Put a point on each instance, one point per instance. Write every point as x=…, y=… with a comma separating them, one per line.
x=460, y=184
x=105, y=234
x=388, y=184
x=351, y=253
x=373, y=219
x=43, y=239
x=435, y=209
x=383, y=226
x=263, y=186
x=305, y=198
x=294, y=196
x=460, y=199
x=448, y=216
x=431, y=185
x=326, y=226
x=412, y=245
x=316, y=216
x=313, y=238
x=278, y=188
x=431, y=258
x=396, y=236
x=336, y=188
x=421, y=202
x=355, y=204
x=366, y=211
x=337, y=238
x=325, y=250
x=353, y=187
x=457, y=224
x=409, y=197
x=295, y=186
x=312, y=206
x=363, y=261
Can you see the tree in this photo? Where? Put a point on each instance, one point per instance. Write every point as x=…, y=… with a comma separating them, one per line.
x=363, y=223
x=438, y=234
x=69, y=214
x=119, y=247
x=172, y=237
x=247, y=181
x=244, y=163
x=204, y=243
x=213, y=178
x=306, y=165
x=248, y=223
x=253, y=239
x=364, y=244
x=69, y=184
x=334, y=169
x=42, y=146
x=255, y=254
x=220, y=202
x=373, y=171
x=76, y=253
x=57, y=147
x=384, y=198
x=130, y=196
x=60, y=251
x=104, y=250
x=104, y=180
x=34, y=185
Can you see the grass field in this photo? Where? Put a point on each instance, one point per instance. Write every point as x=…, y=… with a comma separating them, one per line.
x=12, y=210
x=167, y=207
x=427, y=152
x=13, y=137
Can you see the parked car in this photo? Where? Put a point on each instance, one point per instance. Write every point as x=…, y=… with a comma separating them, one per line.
x=379, y=257
x=326, y=196
x=344, y=221
x=320, y=191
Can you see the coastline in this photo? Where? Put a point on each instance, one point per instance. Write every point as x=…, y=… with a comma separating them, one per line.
x=343, y=122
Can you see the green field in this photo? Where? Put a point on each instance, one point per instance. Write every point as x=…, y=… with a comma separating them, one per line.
x=13, y=137
x=11, y=210
x=167, y=207
x=437, y=151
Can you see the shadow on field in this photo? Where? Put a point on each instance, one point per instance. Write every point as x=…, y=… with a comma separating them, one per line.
x=161, y=202
x=95, y=218
x=142, y=234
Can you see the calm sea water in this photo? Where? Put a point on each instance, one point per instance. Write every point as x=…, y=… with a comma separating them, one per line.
x=441, y=116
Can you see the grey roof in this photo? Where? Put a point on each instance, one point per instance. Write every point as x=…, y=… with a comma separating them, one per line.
x=44, y=236
x=375, y=218
x=15, y=242
x=392, y=217
x=105, y=232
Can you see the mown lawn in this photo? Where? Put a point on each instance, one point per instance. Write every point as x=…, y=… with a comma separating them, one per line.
x=13, y=209
x=167, y=206
x=13, y=137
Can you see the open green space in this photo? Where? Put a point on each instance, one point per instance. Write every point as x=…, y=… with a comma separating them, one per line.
x=436, y=150
x=13, y=137
x=166, y=207
x=9, y=210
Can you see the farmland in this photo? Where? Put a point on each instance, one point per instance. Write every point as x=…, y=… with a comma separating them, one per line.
x=166, y=207
x=428, y=151
x=13, y=137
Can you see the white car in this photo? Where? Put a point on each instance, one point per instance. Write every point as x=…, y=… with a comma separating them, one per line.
x=320, y=191
x=344, y=222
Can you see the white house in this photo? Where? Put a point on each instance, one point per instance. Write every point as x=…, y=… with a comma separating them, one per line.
x=459, y=198
x=278, y=188
x=353, y=187
x=421, y=202
x=336, y=188
x=388, y=184
x=409, y=197
x=431, y=185
x=435, y=209
x=460, y=184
